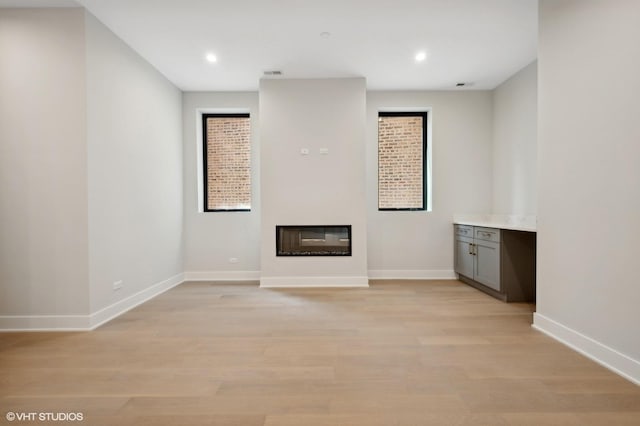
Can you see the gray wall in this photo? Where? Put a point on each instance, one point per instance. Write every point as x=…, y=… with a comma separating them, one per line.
x=588, y=177
x=313, y=189
x=419, y=244
x=134, y=139
x=90, y=172
x=212, y=238
x=515, y=124
x=43, y=164
x=409, y=244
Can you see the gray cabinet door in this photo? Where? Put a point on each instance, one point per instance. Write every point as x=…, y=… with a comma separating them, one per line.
x=487, y=263
x=463, y=259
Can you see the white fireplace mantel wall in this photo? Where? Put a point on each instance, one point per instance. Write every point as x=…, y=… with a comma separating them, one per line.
x=312, y=137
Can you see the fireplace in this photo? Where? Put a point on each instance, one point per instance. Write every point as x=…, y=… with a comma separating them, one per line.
x=313, y=240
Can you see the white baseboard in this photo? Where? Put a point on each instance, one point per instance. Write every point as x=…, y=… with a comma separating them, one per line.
x=222, y=276
x=85, y=322
x=412, y=274
x=615, y=361
x=13, y=323
x=271, y=282
x=120, y=307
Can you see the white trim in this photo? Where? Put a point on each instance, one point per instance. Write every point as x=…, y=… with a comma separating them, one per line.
x=615, y=361
x=350, y=281
x=405, y=109
x=11, y=323
x=222, y=276
x=412, y=274
x=86, y=322
x=120, y=307
x=231, y=110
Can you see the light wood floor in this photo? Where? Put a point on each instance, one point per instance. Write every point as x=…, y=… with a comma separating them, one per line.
x=397, y=353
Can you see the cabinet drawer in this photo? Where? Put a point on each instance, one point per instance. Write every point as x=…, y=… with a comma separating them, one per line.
x=487, y=234
x=464, y=230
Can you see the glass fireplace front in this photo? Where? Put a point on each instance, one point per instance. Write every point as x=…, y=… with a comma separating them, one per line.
x=307, y=240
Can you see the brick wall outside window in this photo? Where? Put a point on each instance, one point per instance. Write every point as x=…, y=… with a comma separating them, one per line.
x=400, y=161
x=227, y=161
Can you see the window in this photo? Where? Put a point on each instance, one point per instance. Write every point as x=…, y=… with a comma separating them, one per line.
x=402, y=156
x=227, y=162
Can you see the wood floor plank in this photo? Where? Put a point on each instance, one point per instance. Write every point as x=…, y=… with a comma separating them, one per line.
x=396, y=353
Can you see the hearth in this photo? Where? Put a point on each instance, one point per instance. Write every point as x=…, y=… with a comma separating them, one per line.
x=313, y=240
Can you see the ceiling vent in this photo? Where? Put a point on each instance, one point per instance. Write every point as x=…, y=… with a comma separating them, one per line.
x=273, y=72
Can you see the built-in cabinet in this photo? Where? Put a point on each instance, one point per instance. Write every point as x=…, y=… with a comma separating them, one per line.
x=478, y=255
x=497, y=261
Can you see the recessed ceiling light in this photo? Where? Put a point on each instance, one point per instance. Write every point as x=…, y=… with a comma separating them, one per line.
x=325, y=34
x=211, y=58
x=421, y=56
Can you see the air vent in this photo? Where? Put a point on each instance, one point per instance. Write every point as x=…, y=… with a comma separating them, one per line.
x=461, y=84
x=273, y=72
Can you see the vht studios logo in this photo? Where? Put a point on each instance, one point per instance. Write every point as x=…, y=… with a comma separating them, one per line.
x=44, y=417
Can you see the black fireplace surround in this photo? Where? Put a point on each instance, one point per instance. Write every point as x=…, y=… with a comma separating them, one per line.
x=313, y=240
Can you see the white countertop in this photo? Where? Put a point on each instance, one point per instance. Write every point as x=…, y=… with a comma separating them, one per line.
x=512, y=222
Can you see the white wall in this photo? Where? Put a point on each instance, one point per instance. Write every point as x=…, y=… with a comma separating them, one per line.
x=401, y=244
x=588, y=178
x=212, y=238
x=313, y=189
x=134, y=139
x=43, y=165
x=419, y=244
x=515, y=124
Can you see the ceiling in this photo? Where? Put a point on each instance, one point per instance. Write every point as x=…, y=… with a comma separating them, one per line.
x=478, y=42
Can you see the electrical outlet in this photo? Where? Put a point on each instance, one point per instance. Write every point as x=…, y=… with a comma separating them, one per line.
x=233, y=260
x=117, y=285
